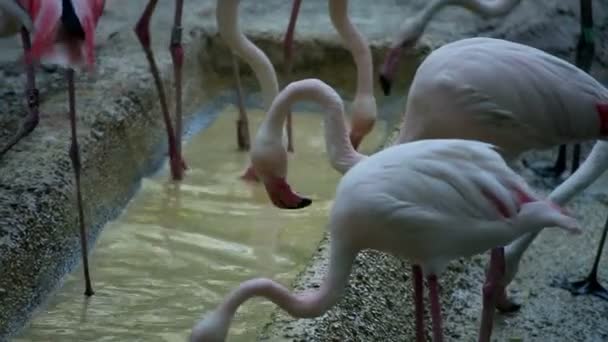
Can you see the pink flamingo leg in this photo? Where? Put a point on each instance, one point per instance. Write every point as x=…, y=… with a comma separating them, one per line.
x=75, y=157
x=33, y=117
x=433, y=285
x=288, y=56
x=177, y=58
x=418, y=303
x=242, y=123
x=490, y=292
x=142, y=30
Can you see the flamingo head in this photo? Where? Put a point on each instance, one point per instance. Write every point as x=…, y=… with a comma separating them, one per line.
x=363, y=119
x=405, y=40
x=269, y=160
x=212, y=328
x=65, y=31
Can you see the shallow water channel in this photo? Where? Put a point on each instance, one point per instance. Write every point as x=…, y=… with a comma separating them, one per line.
x=177, y=249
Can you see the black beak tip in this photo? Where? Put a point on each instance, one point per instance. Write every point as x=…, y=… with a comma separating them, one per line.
x=305, y=202
x=385, y=84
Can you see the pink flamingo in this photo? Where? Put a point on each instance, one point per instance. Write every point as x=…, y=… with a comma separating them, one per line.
x=142, y=30
x=229, y=29
x=64, y=33
x=363, y=111
x=540, y=102
x=406, y=201
x=412, y=29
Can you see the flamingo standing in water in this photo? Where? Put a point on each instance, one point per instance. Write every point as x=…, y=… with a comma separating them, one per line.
x=363, y=109
x=64, y=33
x=142, y=30
x=229, y=29
x=428, y=201
x=541, y=101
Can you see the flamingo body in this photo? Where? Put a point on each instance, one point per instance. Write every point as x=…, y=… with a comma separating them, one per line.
x=429, y=201
x=508, y=94
x=64, y=30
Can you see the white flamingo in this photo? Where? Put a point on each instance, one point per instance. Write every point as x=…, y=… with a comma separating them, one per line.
x=428, y=201
x=412, y=29
x=541, y=101
x=230, y=31
x=363, y=111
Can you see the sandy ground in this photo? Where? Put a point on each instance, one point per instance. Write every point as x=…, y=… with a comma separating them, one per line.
x=377, y=304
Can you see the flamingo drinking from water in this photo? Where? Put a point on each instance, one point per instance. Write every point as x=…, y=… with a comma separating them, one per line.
x=142, y=30
x=541, y=101
x=428, y=201
x=64, y=33
x=363, y=111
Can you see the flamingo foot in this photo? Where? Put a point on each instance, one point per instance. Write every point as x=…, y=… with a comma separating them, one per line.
x=503, y=303
x=588, y=286
x=250, y=176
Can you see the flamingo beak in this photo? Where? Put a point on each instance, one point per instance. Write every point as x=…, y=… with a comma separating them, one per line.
x=389, y=69
x=283, y=197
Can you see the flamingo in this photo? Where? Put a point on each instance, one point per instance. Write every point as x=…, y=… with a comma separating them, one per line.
x=229, y=30
x=405, y=201
x=541, y=101
x=64, y=33
x=142, y=31
x=412, y=29
x=363, y=109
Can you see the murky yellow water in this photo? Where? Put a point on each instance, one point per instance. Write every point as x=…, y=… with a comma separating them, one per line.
x=176, y=251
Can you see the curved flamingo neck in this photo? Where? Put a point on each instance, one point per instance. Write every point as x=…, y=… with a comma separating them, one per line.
x=229, y=29
x=341, y=153
x=418, y=23
x=356, y=43
x=306, y=305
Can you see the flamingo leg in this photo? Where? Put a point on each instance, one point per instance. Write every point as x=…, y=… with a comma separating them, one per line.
x=242, y=123
x=490, y=292
x=433, y=285
x=585, y=51
x=142, y=30
x=590, y=285
x=177, y=58
x=75, y=157
x=288, y=57
x=418, y=303
x=33, y=102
